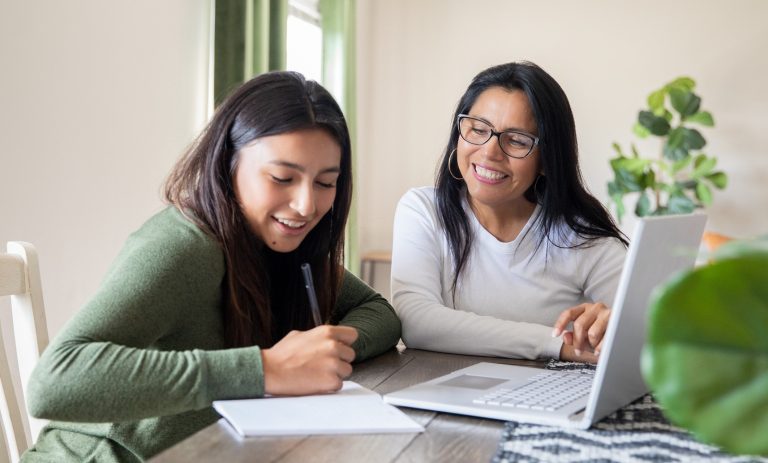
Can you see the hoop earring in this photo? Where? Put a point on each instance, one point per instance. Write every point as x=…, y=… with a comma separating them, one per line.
x=536, y=188
x=449, y=166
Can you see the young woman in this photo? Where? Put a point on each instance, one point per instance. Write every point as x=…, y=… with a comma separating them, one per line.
x=509, y=248
x=206, y=300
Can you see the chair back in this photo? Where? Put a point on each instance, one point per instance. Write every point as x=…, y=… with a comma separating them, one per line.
x=20, y=279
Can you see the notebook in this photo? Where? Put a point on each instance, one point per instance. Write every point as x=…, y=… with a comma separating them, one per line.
x=352, y=410
x=660, y=247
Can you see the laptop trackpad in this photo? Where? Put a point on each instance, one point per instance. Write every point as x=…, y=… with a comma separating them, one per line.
x=473, y=382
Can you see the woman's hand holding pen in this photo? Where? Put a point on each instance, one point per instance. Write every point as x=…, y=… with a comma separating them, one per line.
x=583, y=344
x=309, y=362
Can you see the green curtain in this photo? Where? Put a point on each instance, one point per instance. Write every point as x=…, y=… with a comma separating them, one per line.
x=338, y=24
x=249, y=38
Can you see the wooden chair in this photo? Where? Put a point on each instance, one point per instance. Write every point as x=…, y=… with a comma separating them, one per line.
x=368, y=263
x=20, y=279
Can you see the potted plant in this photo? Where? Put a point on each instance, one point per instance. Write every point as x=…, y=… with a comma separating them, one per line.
x=706, y=353
x=681, y=177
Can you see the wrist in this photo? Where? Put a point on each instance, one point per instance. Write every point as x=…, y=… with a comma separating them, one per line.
x=266, y=368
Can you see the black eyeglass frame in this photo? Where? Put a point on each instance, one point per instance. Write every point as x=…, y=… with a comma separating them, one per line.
x=498, y=135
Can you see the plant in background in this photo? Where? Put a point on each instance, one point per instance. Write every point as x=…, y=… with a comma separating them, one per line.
x=681, y=177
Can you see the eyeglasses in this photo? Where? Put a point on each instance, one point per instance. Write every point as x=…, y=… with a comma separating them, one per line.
x=513, y=143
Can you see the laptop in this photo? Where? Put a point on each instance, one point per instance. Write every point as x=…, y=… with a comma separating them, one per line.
x=661, y=246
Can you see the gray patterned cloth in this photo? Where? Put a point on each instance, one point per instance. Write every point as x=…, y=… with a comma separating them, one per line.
x=638, y=432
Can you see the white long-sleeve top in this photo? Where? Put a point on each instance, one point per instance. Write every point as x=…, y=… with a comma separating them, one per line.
x=508, y=297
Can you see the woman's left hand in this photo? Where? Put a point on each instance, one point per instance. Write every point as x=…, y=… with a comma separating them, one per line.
x=589, y=324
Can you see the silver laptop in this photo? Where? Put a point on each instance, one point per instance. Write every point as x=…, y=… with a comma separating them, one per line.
x=660, y=247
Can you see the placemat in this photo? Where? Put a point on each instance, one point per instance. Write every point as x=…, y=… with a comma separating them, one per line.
x=638, y=432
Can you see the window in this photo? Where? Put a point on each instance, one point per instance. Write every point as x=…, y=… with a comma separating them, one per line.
x=304, y=48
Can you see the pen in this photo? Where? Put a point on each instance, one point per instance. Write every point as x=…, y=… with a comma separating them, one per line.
x=307, y=272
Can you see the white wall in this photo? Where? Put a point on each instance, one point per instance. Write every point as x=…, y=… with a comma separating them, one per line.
x=416, y=58
x=97, y=100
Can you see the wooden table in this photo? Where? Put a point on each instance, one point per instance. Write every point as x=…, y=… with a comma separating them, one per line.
x=447, y=438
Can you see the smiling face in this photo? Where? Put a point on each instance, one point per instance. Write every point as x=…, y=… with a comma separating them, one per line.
x=286, y=183
x=495, y=180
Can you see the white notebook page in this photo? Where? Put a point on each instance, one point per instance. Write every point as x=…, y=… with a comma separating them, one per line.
x=352, y=410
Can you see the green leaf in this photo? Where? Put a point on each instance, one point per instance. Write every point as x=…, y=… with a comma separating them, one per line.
x=674, y=189
x=616, y=164
x=685, y=102
x=640, y=131
x=675, y=154
x=680, y=141
x=628, y=180
x=615, y=190
x=682, y=83
x=693, y=139
x=650, y=179
x=702, y=117
x=655, y=124
x=698, y=160
x=617, y=148
x=677, y=166
x=676, y=137
x=704, y=167
x=636, y=165
x=618, y=200
x=643, y=206
x=718, y=179
x=706, y=355
x=635, y=153
x=704, y=193
x=680, y=204
x=656, y=101
x=621, y=174
x=675, y=148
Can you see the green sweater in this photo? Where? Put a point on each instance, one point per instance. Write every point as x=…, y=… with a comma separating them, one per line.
x=136, y=370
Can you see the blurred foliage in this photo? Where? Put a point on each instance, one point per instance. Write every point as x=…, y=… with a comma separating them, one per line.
x=706, y=356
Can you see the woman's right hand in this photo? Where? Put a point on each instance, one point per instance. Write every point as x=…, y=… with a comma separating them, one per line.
x=568, y=354
x=309, y=362
x=590, y=322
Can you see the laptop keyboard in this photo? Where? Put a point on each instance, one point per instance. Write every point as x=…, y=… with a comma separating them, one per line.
x=549, y=391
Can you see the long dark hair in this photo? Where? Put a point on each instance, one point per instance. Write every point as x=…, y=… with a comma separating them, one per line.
x=263, y=293
x=560, y=190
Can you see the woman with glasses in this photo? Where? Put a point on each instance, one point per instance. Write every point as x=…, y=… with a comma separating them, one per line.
x=508, y=255
x=207, y=300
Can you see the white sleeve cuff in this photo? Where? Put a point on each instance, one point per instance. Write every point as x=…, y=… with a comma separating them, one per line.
x=552, y=348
